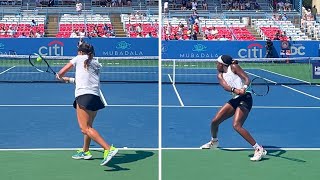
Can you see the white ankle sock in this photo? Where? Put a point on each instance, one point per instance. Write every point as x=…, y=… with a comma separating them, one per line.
x=256, y=146
x=214, y=139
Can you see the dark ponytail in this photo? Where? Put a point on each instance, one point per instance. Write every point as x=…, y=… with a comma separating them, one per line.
x=87, y=49
x=234, y=62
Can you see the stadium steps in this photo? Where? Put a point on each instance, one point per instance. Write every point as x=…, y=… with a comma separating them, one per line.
x=117, y=25
x=52, y=25
x=254, y=32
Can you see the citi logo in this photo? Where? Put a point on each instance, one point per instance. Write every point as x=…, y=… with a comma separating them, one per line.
x=252, y=51
x=54, y=48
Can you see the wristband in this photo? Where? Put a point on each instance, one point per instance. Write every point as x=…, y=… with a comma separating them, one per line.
x=232, y=89
x=72, y=80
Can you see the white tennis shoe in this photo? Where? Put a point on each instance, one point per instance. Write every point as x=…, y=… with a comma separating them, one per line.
x=210, y=144
x=258, y=154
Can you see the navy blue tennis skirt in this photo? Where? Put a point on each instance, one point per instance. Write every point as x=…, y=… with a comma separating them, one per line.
x=89, y=101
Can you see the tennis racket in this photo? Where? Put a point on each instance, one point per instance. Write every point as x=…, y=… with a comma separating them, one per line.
x=41, y=64
x=258, y=87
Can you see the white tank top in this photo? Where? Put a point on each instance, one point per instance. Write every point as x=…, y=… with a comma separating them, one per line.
x=232, y=79
x=87, y=80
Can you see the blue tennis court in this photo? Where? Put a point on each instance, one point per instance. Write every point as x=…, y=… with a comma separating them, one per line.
x=193, y=96
x=38, y=107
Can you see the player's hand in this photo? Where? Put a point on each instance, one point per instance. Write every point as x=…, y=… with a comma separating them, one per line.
x=59, y=77
x=240, y=91
x=68, y=80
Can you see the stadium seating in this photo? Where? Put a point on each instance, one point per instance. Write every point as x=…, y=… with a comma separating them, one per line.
x=69, y=23
x=21, y=24
x=149, y=24
x=232, y=29
x=268, y=28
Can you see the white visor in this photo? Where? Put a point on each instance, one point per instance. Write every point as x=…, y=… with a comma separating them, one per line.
x=220, y=60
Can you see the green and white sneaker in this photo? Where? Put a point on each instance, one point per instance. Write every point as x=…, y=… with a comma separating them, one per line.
x=108, y=155
x=82, y=155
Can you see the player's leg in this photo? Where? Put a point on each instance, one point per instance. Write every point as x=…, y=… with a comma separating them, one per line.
x=87, y=139
x=224, y=113
x=240, y=117
x=84, y=117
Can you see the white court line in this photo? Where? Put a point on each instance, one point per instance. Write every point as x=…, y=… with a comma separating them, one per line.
x=74, y=149
x=279, y=148
x=315, y=97
x=175, y=89
x=164, y=106
x=288, y=87
x=124, y=72
x=103, y=99
x=285, y=76
x=7, y=70
x=157, y=149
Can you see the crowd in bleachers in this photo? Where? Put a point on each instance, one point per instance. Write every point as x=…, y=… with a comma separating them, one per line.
x=111, y=3
x=282, y=5
x=90, y=25
x=139, y=25
x=22, y=26
x=236, y=5
x=185, y=5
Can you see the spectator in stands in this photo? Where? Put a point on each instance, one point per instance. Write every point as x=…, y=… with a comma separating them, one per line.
x=106, y=28
x=223, y=38
x=189, y=5
x=287, y=6
x=3, y=31
x=205, y=37
x=38, y=34
x=274, y=18
x=314, y=12
x=139, y=35
x=166, y=7
x=22, y=35
x=33, y=23
x=31, y=34
x=194, y=5
x=214, y=32
x=11, y=31
x=73, y=34
x=79, y=7
x=139, y=28
x=51, y=3
x=37, y=2
x=195, y=29
x=204, y=5
x=280, y=6
x=191, y=21
x=284, y=17
x=104, y=3
x=82, y=33
x=149, y=35
x=183, y=4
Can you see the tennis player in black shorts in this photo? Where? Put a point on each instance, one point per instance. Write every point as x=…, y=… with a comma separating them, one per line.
x=233, y=79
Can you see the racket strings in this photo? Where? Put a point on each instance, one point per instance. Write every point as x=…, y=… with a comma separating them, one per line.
x=259, y=86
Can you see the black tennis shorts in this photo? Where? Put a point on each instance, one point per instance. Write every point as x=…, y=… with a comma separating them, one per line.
x=89, y=101
x=244, y=101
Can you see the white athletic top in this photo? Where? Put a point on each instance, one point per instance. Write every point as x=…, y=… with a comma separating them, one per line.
x=232, y=79
x=87, y=80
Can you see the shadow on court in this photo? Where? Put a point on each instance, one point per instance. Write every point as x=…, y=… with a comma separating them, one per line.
x=273, y=151
x=123, y=158
x=278, y=153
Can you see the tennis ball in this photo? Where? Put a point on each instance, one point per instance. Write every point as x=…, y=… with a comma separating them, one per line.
x=39, y=59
